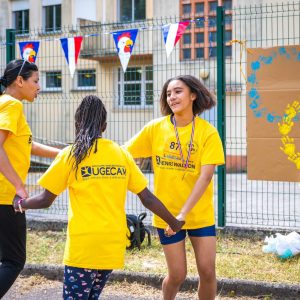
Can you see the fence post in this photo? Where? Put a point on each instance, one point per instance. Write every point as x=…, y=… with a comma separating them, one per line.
x=221, y=105
x=10, y=45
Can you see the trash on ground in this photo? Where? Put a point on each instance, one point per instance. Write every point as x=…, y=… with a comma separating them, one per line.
x=284, y=246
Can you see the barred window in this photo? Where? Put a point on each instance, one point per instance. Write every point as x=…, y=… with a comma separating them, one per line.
x=52, y=18
x=200, y=39
x=135, y=87
x=86, y=79
x=132, y=10
x=52, y=81
x=21, y=21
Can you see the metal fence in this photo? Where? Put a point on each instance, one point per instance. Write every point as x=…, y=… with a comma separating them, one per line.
x=132, y=100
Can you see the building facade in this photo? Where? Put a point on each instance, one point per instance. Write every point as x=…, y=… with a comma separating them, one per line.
x=132, y=98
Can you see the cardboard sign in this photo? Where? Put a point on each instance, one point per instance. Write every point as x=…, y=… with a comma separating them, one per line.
x=273, y=113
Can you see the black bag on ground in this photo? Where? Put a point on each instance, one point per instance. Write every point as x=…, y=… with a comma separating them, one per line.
x=136, y=231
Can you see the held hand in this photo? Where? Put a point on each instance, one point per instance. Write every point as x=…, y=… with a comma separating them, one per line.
x=176, y=227
x=17, y=204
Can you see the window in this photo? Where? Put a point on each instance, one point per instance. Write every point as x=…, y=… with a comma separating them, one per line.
x=21, y=21
x=132, y=10
x=52, y=18
x=135, y=87
x=86, y=79
x=187, y=38
x=199, y=37
x=52, y=81
x=200, y=8
x=200, y=40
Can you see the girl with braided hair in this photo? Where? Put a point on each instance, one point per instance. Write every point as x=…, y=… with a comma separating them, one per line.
x=21, y=83
x=98, y=173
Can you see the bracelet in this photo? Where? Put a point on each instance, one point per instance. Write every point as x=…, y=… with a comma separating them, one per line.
x=20, y=205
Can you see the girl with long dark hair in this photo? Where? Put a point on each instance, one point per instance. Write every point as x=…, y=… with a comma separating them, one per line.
x=19, y=83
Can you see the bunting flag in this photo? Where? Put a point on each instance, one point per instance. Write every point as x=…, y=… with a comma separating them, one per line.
x=71, y=47
x=124, y=41
x=172, y=34
x=29, y=50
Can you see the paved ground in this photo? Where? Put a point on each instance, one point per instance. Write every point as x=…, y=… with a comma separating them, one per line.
x=38, y=288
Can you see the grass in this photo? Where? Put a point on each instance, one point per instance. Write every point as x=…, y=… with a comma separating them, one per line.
x=236, y=258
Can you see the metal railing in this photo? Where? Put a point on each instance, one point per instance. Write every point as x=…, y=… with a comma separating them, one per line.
x=248, y=202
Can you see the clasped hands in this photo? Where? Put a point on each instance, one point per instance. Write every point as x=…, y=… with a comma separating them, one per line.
x=17, y=204
x=181, y=221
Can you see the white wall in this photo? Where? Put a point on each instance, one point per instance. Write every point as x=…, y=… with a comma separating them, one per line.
x=85, y=9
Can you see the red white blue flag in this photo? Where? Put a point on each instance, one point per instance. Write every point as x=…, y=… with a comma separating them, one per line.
x=29, y=50
x=172, y=34
x=124, y=41
x=71, y=47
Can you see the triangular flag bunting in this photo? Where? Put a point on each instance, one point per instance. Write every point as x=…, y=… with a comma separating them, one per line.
x=172, y=34
x=71, y=47
x=124, y=41
x=29, y=50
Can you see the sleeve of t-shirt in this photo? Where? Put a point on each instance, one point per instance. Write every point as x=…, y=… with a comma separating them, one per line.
x=137, y=181
x=55, y=179
x=213, y=153
x=10, y=113
x=140, y=145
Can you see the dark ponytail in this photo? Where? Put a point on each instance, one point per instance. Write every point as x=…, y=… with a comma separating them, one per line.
x=90, y=121
x=15, y=68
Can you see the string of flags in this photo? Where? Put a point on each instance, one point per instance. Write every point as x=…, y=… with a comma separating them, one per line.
x=124, y=42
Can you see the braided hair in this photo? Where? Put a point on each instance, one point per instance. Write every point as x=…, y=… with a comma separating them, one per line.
x=90, y=122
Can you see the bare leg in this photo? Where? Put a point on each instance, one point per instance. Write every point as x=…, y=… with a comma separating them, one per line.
x=176, y=262
x=205, y=253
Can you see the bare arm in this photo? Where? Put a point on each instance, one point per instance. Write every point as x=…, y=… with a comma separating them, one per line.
x=42, y=200
x=200, y=186
x=7, y=169
x=44, y=150
x=152, y=203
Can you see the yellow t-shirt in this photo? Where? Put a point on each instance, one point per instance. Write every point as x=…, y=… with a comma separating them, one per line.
x=96, y=235
x=17, y=145
x=172, y=182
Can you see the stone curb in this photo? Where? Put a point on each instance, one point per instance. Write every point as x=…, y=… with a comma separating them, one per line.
x=225, y=286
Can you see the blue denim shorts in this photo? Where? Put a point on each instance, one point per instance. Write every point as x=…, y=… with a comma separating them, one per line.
x=180, y=235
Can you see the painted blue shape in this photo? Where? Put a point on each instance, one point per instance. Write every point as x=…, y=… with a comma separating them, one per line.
x=282, y=51
x=268, y=60
x=253, y=93
x=258, y=113
x=298, y=56
x=254, y=104
x=270, y=118
x=252, y=78
x=255, y=65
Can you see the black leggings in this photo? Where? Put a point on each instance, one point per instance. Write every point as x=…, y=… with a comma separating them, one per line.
x=12, y=246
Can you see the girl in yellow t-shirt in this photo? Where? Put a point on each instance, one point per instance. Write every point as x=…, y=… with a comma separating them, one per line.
x=20, y=82
x=98, y=173
x=185, y=150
